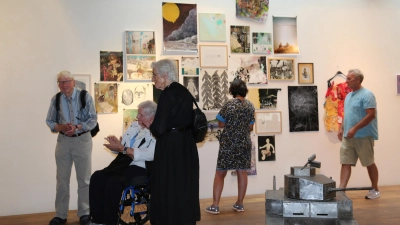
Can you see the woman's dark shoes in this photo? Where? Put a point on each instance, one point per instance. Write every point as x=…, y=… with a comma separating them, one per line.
x=84, y=220
x=57, y=221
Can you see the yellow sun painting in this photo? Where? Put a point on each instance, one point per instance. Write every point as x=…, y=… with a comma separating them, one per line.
x=170, y=12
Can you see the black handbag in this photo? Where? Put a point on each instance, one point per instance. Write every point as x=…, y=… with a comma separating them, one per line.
x=199, y=127
x=120, y=163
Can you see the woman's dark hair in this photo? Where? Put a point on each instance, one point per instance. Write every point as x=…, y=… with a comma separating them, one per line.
x=238, y=87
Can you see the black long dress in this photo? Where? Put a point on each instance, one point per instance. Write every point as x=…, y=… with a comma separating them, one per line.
x=175, y=180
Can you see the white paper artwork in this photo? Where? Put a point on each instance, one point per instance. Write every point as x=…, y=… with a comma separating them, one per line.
x=130, y=95
x=250, y=69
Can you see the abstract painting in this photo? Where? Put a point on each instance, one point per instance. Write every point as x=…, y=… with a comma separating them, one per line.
x=214, y=88
x=138, y=67
x=140, y=42
x=190, y=65
x=129, y=116
x=281, y=68
x=192, y=84
x=266, y=148
x=111, y=66
x=212, y=27
x=285, y=35
x=263, y=98
x=262, y=43
x=130, y=95
x=250, y=69
x=256, y=11
x=253, y=169
x=240, y=39
x=303, y=108
x=179, y=26
x=105, y=97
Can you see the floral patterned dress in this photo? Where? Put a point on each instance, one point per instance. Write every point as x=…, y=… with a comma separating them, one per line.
x=235, y=143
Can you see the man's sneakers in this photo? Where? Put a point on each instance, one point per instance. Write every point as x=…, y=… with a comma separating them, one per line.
x=372, y=194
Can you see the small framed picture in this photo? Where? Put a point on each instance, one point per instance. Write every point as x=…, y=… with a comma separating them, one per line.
x=268, y=122
x=83, y=82
x=281, y=69
x=213, y=56
x=306, y=73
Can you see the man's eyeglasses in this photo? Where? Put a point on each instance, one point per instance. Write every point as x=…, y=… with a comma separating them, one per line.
x=64, y=82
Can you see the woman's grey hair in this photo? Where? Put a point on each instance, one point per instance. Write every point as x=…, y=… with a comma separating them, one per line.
x=149, y=108
x=166, y=66
x=65, y=74
x=358, y=74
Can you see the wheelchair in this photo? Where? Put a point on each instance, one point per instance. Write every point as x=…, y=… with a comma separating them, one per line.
x=134, y=207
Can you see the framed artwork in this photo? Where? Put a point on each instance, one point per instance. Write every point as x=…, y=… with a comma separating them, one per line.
x=214, y=56
x=83, y=81
x=306, y=73
x=281, y=69
x=268, y=122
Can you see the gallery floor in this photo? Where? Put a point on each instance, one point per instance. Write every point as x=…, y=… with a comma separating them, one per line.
x=382, y=211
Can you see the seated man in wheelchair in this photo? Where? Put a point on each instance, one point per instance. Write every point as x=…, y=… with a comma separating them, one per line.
x=134, y=148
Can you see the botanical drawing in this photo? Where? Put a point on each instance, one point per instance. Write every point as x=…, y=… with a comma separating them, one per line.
x=106, y=99
x=179, y=26
x=214, y=89
x=250, y=69
x=303, y=108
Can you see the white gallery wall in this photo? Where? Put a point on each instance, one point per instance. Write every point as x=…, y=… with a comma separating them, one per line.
x=39, y=38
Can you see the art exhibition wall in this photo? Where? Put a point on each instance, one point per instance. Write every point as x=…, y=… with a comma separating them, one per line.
x=42, y=37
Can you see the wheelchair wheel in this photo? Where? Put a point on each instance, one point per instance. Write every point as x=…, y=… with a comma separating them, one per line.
x=139, y=216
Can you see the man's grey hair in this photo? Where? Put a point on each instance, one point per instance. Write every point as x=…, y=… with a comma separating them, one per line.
x=149, y=108
x=65, y=74
x=358, y=74
x=166, y=66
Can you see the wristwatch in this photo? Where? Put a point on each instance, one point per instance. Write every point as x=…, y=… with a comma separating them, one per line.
x=124, y=151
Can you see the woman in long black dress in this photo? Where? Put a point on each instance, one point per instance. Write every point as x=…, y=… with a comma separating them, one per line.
x=175, y=181
x=237, y=118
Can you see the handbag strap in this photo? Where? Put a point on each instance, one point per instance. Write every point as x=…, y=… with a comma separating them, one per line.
x=195, y=102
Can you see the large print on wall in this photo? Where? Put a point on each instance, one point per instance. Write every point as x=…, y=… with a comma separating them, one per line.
x=303, y=108
x=256, y=11
x=212, y=27
x=179, y=26
x=111, y=66
x=285, y=35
